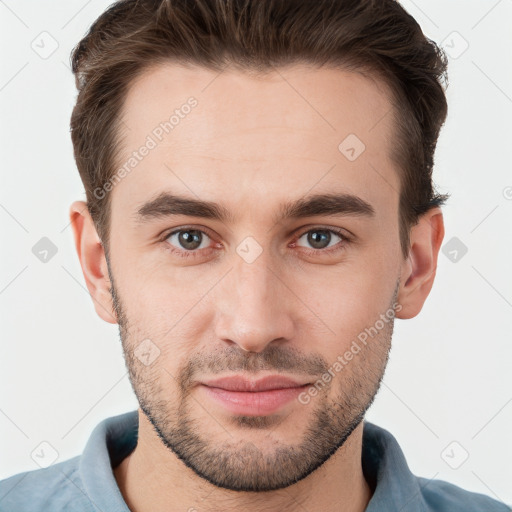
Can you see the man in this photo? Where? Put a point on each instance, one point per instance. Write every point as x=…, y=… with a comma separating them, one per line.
x=259, y=210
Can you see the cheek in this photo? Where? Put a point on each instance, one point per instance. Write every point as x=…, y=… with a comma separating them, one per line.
x=172, y=319
x=346, y=300
x=153, y=291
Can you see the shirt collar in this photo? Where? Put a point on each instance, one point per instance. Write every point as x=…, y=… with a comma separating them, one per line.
x=110, y=442
x=385, y=468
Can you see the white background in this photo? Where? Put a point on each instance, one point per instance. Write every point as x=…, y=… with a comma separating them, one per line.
x=450, y=373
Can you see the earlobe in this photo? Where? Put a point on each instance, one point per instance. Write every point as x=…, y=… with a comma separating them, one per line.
x=92, y=260
x=419, y=269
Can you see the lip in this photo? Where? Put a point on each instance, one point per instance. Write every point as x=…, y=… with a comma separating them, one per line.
x=239, y=395
x=240, y=383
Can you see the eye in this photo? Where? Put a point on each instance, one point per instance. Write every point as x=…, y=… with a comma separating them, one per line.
x=322, y=240
x=187, y=242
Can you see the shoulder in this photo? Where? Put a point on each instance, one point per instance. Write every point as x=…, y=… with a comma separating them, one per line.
x=397, y=488
x=84, y=483
x=441, y=496
x=56, y=488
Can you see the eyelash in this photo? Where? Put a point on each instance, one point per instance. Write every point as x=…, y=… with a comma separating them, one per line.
x=195, y=253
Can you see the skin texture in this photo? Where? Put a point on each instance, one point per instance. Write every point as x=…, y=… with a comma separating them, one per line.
x=251, y=144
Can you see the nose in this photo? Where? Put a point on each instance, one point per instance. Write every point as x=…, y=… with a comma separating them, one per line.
x=254, y=306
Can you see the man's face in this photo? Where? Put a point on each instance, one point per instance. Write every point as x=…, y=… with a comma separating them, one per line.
x=260, y=293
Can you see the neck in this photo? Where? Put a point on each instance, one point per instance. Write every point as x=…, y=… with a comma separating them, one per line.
x=154, y=479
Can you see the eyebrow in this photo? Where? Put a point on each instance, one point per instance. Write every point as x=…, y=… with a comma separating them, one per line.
x=169, y=205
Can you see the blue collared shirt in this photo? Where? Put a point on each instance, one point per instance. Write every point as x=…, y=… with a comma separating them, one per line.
x=86, y=483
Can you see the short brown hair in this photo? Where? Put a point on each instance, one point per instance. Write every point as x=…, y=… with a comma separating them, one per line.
x=374, y=37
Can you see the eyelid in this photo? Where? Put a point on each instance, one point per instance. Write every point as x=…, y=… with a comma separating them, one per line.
x=342, y=232
x=296, y=234
x=168, y=232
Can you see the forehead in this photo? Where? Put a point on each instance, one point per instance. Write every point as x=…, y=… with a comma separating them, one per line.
x=294, y=129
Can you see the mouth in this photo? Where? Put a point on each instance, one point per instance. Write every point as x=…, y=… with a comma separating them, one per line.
x=239, y=395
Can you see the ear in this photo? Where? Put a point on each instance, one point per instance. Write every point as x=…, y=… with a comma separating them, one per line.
x=92, y=259
x=419, y=269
